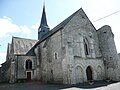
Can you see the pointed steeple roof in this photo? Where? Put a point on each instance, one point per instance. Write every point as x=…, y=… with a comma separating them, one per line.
x=43, y=19
x=43, y=28
x=59, y=27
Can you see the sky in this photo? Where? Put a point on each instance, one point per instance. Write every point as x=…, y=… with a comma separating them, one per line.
x=21, y=18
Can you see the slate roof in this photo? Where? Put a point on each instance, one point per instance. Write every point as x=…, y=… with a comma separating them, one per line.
x=43, y=19
x=57, y=28
x=51, y=32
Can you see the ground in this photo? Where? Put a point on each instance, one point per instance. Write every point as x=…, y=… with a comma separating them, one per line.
x=102, y=85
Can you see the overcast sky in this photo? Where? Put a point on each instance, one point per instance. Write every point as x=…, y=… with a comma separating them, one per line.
x=21, y=18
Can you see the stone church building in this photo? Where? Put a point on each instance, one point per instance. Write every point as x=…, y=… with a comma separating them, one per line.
x=70, y=53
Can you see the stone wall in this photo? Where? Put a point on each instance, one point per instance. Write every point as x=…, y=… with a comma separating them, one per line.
x=51, y=58
x=74, y=33
x=5, y=72
x=21, y=68
x=64, y=51
x=77, y=73
x=109, y=52
x=80, y=28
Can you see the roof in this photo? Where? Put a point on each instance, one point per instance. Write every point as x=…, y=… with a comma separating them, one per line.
x=22, y=45
x=8, y=51
x=43, y=19
x=51, y=32
x=59, y=26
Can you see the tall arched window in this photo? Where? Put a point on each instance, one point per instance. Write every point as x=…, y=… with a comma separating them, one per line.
x=86, y=47
x=28, y=64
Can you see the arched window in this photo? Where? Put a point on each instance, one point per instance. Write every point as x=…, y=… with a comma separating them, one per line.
x=86, y=47
x=28, y=64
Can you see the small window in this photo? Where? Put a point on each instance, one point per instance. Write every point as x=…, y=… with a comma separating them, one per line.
x=55, y=55
x=104, y=32
x=43, y=30
x=51, y=71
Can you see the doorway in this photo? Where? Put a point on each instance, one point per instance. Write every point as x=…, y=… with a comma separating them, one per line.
x=89, y=73
x=28, y=76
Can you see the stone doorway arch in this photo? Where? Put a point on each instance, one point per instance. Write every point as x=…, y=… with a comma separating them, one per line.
x=89, y=73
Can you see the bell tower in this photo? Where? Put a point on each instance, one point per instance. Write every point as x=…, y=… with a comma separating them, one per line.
x=43, y=28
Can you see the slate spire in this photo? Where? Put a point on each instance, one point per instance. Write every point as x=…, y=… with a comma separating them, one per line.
x=43, y=19
x=43, y=28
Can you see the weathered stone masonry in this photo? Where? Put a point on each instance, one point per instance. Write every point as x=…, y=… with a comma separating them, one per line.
x=72, y=52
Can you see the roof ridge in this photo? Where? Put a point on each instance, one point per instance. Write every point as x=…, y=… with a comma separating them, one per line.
x=57, y=27
x=67, y=19
x=23, y=38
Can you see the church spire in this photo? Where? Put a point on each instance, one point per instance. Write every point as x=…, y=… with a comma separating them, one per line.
x=44, y=19
x=43, y=28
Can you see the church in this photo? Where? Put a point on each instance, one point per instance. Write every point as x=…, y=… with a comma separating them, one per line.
x=72, y=52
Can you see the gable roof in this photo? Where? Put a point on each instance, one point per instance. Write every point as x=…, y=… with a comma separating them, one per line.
x=8, y=51
x=21, y=45
x=60, y=26
x=51, y=32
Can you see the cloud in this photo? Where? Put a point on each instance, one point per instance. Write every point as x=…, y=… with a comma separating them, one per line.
x=36, y=26
x=7, y=26
x=7, y=29
x=26, y=30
